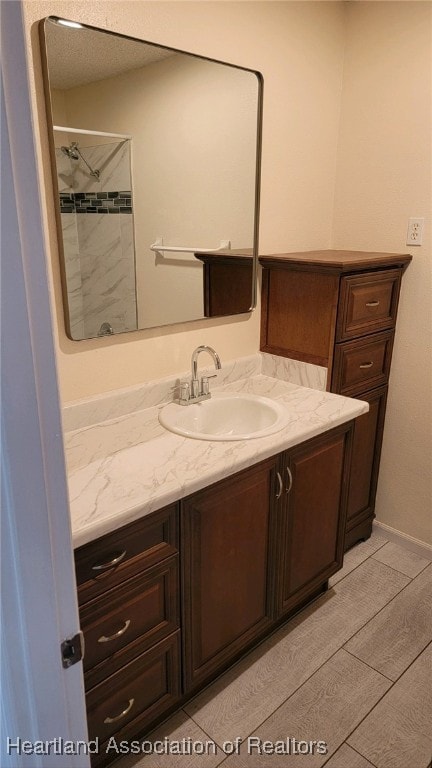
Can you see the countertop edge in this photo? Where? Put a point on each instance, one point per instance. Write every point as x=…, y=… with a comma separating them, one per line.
x=230, y=462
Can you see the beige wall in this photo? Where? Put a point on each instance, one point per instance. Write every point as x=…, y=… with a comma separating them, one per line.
x=299, y=49
x=319, y=189
x=383, y=178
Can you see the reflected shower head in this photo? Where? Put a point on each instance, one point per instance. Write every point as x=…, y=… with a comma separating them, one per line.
x=71, y=152
x=74, y=153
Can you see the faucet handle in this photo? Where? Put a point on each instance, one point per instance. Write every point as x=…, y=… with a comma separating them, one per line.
x=184, y=393
x=205, y=383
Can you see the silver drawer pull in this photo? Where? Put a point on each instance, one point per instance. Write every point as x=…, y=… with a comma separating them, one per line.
x=121, y=715
x=106, y=639
x=279, y=493
x=290, y=480
x=372, y=303
x=366, y=365
x=115, y=561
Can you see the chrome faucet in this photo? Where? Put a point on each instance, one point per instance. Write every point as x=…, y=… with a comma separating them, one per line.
x=197, y=390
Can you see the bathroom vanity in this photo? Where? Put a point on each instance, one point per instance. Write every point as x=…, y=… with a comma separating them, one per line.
x=177, y=582
x=338, y=309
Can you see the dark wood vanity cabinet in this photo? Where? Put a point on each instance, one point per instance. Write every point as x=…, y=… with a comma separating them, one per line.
x=129, y=601
x=338, y=309
x=254, y=548
x=257, y=546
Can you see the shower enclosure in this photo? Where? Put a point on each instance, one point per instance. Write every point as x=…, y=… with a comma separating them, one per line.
x=96, y=208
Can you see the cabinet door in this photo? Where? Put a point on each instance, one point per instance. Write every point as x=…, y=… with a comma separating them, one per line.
x=227, y=547
x=313, y=519
x=367, y=440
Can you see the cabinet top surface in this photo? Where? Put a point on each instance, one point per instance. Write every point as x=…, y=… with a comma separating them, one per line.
x=339, y=261
x=237, y=255
x=132, y=481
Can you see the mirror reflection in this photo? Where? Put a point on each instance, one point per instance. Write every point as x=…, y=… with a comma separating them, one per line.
x=155, y=163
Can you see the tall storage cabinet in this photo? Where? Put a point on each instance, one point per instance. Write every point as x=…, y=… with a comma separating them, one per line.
x=338, y=309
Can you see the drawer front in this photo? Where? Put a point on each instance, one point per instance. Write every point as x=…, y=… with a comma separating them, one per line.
x=363, y=364
x=140, y=692
x=113, y=558
x=129, y=619
x=368, y=303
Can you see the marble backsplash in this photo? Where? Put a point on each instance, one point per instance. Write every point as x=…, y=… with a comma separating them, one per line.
x=99, y=409
x=294, y=371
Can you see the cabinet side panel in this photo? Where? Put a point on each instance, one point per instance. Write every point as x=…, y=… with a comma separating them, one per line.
x=301, y=315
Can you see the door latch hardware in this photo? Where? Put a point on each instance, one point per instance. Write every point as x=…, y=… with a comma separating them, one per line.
x=72, y=650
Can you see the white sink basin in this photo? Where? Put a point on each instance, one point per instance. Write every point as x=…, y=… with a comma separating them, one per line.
x=226, y=416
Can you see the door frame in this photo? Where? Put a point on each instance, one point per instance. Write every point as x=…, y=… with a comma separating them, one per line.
x=41, y=700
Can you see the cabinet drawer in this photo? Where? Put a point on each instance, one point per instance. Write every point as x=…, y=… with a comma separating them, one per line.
x=368, y=303
x=128, y=619
x=117, y=556
x=140, y=692
x=362, y=364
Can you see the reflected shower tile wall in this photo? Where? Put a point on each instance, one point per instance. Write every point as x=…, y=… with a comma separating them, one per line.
x=99, y=249
x=107, y=272
x=73, y=274
x=128, y=258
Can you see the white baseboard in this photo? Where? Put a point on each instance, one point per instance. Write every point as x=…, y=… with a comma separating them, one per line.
x=421, y=548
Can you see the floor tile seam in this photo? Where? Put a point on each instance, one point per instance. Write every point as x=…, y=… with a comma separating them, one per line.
x=353, y=749
x=380, y=609
x=273, y=712
x=402, y=572
x=371, y=556
x=300, y=687
x=377, y=703
x=362, y=721
x=340, y=647
x=370, y=667
x=348, y=736
x=359, y=564
x=203, y=730
x=428, y=643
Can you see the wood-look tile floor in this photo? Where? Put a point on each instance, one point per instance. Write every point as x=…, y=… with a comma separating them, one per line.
x=353, y=670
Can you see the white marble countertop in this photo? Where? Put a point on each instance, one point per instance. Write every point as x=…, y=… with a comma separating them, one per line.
x=129, y=466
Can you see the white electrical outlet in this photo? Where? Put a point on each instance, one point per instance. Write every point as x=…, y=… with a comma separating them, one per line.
x=415, y=231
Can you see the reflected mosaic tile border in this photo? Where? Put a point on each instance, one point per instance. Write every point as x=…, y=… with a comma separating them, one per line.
x=96, y=202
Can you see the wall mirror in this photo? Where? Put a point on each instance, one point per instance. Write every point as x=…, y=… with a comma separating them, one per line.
x=155, y=158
